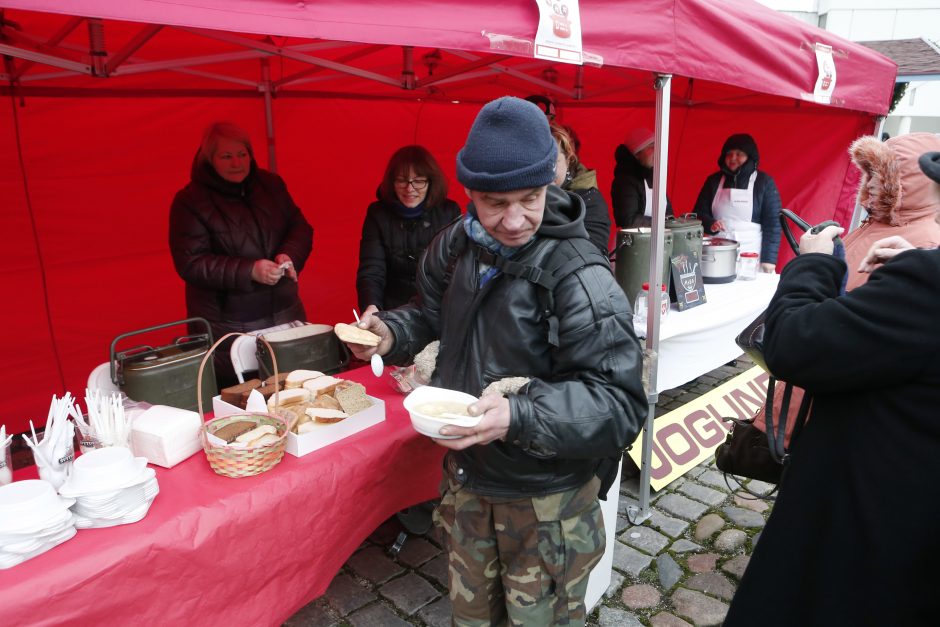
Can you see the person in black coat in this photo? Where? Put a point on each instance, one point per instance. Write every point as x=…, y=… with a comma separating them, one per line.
x=852, y=539
x=741, y=202
x=412, y=207
x=572, y=176
x=631, y=190
x=238, y=241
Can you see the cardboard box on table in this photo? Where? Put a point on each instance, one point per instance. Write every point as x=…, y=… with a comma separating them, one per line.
x=323, y=435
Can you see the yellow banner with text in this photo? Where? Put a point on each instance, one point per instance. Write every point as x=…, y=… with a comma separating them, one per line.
x=684, y=437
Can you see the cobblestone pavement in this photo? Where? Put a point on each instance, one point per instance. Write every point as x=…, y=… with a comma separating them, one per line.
x=680, y=567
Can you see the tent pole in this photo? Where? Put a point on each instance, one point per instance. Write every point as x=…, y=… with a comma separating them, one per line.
x=663, y=87
x=267, y=88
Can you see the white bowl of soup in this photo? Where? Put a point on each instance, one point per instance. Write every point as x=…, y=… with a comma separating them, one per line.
x=426, y=405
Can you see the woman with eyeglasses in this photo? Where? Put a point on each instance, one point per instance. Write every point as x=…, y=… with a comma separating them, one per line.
x=412, y=206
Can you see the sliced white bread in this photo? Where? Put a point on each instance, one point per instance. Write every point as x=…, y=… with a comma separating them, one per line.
x=321, y=385
x=288, y=397
x=326, y=415
x=296, y=378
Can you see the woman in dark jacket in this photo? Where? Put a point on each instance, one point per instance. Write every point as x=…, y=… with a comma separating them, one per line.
x=853, y=539
x=572, y=176
x=631, y=190
x=741, y=203
x=238, y=241
x=412, y=207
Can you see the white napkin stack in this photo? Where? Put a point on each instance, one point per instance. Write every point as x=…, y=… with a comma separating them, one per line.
x=166, y=435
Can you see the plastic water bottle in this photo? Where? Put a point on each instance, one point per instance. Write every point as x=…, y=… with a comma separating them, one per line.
x=663, y=302
x=639, y=310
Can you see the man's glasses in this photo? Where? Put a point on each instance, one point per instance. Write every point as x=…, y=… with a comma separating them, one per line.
x=417, y=184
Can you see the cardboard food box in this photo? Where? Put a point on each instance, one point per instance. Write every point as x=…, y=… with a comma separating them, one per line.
x=324, y=434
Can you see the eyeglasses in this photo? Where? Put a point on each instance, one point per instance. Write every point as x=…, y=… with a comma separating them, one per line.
x=417, y=184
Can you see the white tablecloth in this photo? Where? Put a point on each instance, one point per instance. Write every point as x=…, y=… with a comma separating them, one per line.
x=698, y=340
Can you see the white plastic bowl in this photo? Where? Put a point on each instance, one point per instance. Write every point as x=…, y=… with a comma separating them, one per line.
x=104, y=469
x=430, y=425
x=30, y=504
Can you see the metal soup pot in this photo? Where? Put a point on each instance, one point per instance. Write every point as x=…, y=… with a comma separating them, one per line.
x=719, y=259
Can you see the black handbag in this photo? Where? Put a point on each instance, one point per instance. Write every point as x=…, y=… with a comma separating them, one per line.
x=747, y=451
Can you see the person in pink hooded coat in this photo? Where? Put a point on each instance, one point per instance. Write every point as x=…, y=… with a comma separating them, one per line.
x=899, y=198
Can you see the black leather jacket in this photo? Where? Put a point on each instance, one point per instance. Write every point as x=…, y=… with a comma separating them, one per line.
x=585, y=400
x=218, y=229
x=627, y=192
x=389, y=251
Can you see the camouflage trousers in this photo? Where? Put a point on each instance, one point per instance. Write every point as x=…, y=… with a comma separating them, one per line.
x=520, y=561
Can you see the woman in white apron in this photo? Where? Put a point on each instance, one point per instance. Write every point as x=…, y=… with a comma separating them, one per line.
x=740, y=202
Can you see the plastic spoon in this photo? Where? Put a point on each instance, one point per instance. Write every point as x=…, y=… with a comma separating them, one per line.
x=378, y=365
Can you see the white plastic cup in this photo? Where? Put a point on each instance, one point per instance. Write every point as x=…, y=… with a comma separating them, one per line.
x=6, y=466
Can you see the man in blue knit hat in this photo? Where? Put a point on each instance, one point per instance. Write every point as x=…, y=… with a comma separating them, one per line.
x=529, y=319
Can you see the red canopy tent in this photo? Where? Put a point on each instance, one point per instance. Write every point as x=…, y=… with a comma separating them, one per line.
x=104, y=102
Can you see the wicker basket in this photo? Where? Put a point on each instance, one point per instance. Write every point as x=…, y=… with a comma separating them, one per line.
x=237, y=462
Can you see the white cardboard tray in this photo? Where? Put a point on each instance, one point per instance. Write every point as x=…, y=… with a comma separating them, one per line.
x=323, y=435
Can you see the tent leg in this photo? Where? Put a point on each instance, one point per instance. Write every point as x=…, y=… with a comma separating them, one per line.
x=267, y=88
x=663, y=87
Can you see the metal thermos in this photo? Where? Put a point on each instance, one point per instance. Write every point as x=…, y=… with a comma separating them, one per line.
x=632, y=265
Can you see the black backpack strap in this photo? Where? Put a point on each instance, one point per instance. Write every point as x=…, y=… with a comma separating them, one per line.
x=548, y=275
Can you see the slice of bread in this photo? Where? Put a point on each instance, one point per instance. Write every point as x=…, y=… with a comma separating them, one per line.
x=296, y=378
x=354, y=335
x=321, y=385
x=351, y=396
x=325, y=401
x=326, y=415
x=288, y=398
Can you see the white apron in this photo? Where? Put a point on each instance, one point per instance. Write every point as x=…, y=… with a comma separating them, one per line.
x=649, y=200
x=734, y=207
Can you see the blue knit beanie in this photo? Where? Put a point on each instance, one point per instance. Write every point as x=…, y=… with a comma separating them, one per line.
x=509, y=147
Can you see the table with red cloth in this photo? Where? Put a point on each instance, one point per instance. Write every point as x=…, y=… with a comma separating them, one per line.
x=220, y=551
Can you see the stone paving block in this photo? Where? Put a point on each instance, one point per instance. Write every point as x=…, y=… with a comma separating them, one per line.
x=684, y=546
x=630, y=487
x=625, y=504
x=640, y=596
x=673, y=527
x=409, y=593
x=313, y=614
x=374, y=564
x=417, y=551
x=629, y=560
x=713, y=584
x=716, y=479
x=736, y=565
x=760, y=487
x=437, y=614
x=708, y=526
x=375, y=615
x=730, y=540
x=436, y=569
x=682, y=506
x=664, y=619
x=616, y=580
x=702, y=610
x=668, y=570
x=702, y=493
x=696, y=471
x=743, y=517
x=613, y=617
x=742, y=499
x=645, y=539
x=622, y=523
x=702, y=563
x=346, y=595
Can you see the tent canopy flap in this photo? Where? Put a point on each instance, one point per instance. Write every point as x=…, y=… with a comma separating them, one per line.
x=103, y=105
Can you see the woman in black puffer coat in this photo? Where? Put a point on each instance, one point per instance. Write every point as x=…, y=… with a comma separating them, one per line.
x=412, y=207
x=238, y=241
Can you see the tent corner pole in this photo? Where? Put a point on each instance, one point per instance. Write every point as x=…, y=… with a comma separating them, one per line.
x=663, y=86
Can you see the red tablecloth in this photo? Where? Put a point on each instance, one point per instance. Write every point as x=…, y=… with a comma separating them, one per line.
x=220, y=551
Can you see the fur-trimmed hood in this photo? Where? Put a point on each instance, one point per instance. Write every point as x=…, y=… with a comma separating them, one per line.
x=893, y=188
